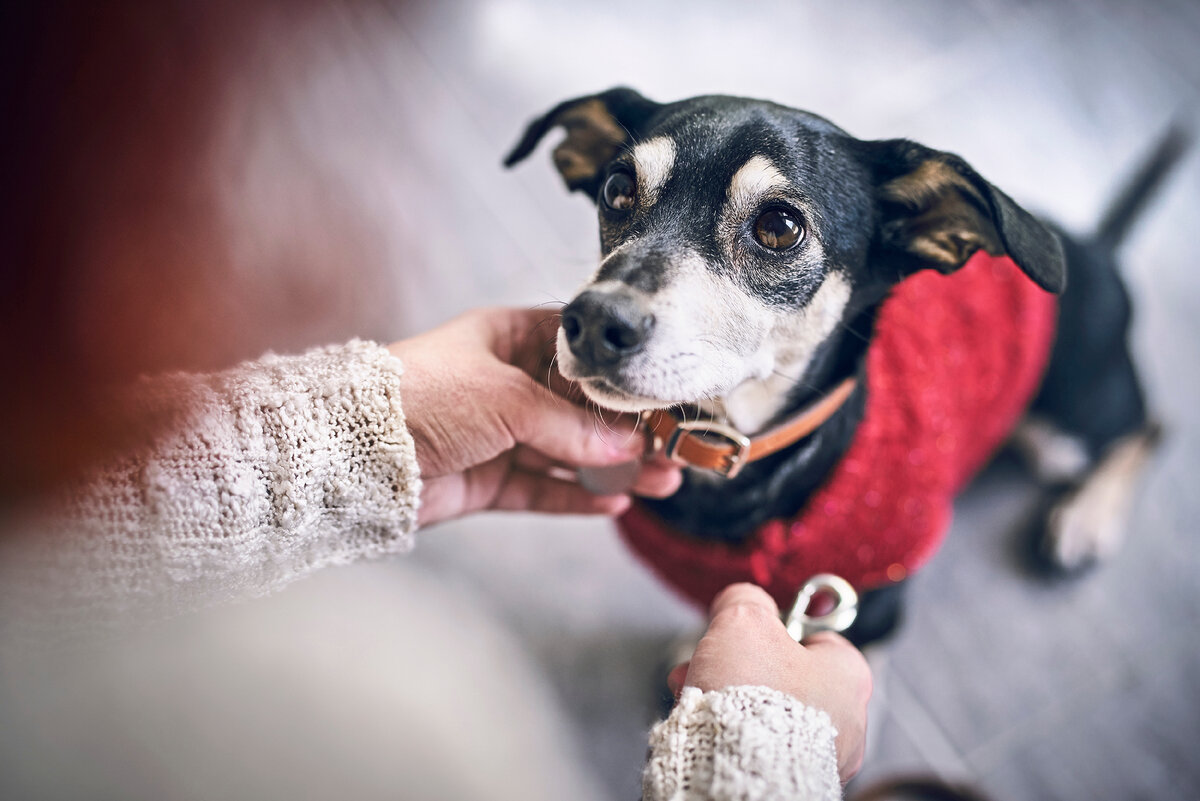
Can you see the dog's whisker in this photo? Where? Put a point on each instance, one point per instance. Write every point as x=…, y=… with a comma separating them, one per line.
x=550, y=372
x=608, y=426
x=797, y=382
x=608, y=434
x=550, y=319
x=850, y=330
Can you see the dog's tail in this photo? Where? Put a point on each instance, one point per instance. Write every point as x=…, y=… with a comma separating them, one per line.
x=1138, y=191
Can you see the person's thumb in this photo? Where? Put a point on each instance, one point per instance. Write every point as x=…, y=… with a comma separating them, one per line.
x=743, y=594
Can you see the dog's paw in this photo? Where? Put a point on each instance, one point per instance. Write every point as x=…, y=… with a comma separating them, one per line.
x=1080, y=531
x=1088, y=524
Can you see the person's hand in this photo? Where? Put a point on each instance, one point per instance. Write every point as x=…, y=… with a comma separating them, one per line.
x=747, y=645
x=491, y=434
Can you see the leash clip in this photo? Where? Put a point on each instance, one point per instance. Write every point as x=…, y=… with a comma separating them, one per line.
x=845, y=607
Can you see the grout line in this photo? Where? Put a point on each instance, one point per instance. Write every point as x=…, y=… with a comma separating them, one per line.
x=985, y=758
x=927, y=737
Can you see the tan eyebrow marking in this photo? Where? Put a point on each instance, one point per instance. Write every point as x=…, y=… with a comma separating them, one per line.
x=755, y=178
x=654, y=159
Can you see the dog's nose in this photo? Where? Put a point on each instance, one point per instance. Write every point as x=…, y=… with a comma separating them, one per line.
x=604, y=327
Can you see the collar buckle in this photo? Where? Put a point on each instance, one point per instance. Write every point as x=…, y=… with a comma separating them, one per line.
x=733, y=462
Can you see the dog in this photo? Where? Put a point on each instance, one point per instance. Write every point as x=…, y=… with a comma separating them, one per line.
x=835, y=335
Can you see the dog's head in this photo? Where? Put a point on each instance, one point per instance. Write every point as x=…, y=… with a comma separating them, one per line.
x=737, y=236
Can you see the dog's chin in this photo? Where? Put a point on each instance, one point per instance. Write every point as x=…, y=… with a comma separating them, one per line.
x=606, y=394
x=612, y=393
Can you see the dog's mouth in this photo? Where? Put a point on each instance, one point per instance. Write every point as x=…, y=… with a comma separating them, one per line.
x=611, y=396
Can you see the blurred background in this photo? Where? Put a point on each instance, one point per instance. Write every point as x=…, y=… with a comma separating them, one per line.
x=190, y=184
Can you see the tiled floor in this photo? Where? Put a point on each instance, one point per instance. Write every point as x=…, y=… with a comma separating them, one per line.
x=1026, y=687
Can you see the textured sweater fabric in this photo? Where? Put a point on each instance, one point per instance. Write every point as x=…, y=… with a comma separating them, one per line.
x=954, y=361
x=277, y=468
x=739, y=744
x=267, y=472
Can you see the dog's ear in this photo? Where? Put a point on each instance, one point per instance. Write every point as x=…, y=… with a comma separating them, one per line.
x=597, y=127
x=935, y=212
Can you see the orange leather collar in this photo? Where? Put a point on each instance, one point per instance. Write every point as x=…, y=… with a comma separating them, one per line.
x=725, y=450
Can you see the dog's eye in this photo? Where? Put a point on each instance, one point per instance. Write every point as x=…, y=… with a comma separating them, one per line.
x=777, y=229
x=618, y=192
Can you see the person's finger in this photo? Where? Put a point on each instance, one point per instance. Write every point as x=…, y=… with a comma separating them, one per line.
x=826, y=640
x=842, y=659
x=654, y=480
x=496, y=485
x=528, y=340
x=834, y=655
x=658, y=480
x=455, y=494
x=563, y=431
x=677, y=678
x=531, y=492
x=523, y=338
x=833, y=646
x=533, y=461
x=440, y=500
x=743, y=594
x=536, y=355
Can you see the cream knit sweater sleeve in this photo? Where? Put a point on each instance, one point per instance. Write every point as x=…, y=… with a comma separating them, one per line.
x=743, y=744
x=279, y=467
x=270, y=470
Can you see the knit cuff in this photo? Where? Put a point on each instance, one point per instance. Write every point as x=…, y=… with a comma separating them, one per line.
x=335, y=428
x=742, y=743
x=267, y=472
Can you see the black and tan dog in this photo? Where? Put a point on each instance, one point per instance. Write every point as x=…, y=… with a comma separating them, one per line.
x=748, y=253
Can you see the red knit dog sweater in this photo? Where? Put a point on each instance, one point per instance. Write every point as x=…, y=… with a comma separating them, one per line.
x=954, y=362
